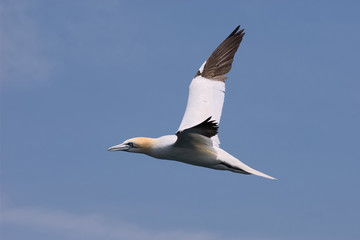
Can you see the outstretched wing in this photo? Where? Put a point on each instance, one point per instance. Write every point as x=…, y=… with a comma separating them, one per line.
x=207, y=89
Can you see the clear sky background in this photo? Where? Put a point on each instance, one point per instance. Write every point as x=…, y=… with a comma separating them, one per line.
x=80, y=76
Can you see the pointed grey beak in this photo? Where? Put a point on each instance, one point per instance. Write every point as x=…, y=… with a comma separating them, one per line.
x=120, y=147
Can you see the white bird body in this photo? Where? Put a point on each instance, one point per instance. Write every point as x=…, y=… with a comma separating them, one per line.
x=167, y=147
x=201, y=153
x=196, y=141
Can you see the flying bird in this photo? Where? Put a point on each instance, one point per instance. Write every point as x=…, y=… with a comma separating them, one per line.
x=196, y=142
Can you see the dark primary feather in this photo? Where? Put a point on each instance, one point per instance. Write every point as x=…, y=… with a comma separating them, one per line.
x=220, y=61
x=207, y=128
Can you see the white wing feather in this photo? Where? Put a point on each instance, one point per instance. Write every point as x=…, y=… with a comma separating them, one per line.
x=206, y=99
x=207, y=89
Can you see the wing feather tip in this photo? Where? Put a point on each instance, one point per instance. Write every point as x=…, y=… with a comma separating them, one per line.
x=207, y=128
x=220, y=61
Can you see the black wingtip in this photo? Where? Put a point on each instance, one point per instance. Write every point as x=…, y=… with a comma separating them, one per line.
x=207, y=128
x=208, y=119
x=234, y=32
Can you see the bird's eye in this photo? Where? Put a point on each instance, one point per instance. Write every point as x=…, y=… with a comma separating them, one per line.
x=131, y=144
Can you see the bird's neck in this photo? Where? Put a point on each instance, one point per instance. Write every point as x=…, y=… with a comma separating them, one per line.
x=161, y=146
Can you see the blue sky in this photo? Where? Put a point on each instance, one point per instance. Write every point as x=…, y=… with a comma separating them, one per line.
x=80, y=76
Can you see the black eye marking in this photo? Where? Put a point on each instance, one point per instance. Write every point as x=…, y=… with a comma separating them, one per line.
x=131, y=144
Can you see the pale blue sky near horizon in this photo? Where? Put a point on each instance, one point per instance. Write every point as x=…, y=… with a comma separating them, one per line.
x=80, y=76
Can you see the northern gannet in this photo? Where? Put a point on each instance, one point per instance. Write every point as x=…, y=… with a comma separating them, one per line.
x=196, y=142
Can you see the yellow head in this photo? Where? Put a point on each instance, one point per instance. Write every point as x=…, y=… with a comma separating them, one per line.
x=137, y=145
